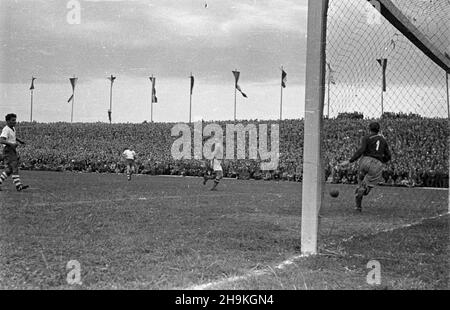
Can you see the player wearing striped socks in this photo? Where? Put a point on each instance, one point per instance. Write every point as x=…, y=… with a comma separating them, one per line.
x=3, y=177
x=10, y=157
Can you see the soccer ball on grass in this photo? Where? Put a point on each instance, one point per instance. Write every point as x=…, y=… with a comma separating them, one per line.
x=334, y=193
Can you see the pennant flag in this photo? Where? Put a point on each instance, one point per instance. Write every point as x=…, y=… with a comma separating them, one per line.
x=192, y=83
x=112, y=78
x=109, y=115
x=240, y=90
x=332, y=81
x=283, y=78
x=330, y=74
x=73, y=81
x=393, y=42
x=383, y=64
x=154, y=99
x=32, y=83
x=236, y=77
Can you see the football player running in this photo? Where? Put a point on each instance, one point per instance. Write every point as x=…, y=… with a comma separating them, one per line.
x=130, y=157
x=216, y=163
x=10, y=156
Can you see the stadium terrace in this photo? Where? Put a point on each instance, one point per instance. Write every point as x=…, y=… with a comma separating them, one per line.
x=181, y=148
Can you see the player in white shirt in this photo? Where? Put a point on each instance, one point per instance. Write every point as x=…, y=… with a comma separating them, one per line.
x=130, y=157
x=11, y=159
x=216, y=164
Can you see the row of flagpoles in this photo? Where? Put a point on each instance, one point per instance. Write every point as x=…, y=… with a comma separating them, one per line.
x=381, y=61
x=73, y=81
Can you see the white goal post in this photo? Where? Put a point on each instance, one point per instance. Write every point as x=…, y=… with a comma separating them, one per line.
x=312, y=181
x=313, y=172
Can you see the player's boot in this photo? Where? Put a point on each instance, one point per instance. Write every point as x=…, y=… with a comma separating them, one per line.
x=215, y=185
x=21, y=187
x=128, y=172
x=359, y=193
x=358, y=201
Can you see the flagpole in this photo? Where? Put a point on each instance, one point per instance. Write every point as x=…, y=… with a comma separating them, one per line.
x=110, y=99
x=31, y=92
x=151, y=108
x=235, y=104
x=190, y=100
x=281, y=96
x=382, y=89
x=281, y=104
x=31, y=114
x=73, y=81
x=235, y=84
x=73, y=100
x=382, y=62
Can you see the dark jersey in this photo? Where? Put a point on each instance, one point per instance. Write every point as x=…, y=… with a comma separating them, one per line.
x=373, y=145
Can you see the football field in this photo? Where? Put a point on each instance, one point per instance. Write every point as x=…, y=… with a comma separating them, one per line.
x=159, y=232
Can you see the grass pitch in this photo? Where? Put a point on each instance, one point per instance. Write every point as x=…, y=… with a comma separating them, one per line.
x=173, y=233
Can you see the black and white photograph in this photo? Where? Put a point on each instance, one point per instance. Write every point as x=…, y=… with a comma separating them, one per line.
x=224, y=150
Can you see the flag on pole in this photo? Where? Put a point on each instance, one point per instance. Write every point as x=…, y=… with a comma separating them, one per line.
x=73, y=82
x=153, y=80
x=283, y=78
x=192, y=83
x=112, y=78
x=331, y=74
x=383, y=64
x=332, y=81
x=32, y=83
x=236, y=77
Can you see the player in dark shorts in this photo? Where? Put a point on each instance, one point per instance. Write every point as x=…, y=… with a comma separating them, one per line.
x=214, y=170
x=10, y=157
x=374, y=153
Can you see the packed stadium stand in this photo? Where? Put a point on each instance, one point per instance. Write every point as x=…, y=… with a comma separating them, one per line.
x=419, y=147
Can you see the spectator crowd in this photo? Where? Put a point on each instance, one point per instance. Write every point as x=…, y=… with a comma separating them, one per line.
x=419, y=150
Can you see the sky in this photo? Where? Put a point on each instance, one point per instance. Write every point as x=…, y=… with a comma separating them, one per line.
x=169, y=39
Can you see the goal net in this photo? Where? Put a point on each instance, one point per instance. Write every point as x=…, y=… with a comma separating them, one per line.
x=386, y=61
x=373, y=68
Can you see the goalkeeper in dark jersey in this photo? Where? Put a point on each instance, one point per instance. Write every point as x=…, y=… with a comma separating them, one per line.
x=374, y=153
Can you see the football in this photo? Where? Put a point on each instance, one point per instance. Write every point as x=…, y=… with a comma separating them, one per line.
x=334, y=193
